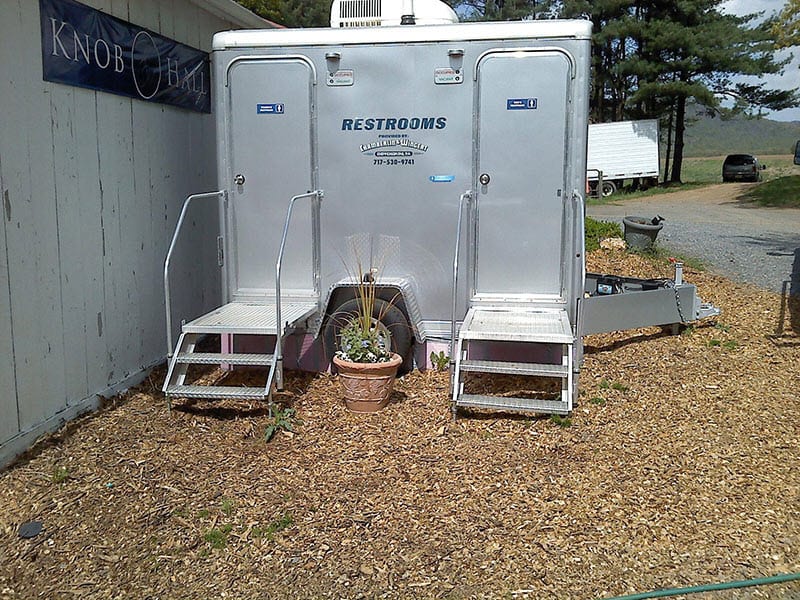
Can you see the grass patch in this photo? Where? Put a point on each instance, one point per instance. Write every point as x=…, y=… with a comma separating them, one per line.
x=561, y=421
x=605, y=384
x=598, y=230
x=661, y=254
x=784, y=191
x=698, y=172
x=663, y=188
x=278, y=525
x=595, y=230
x=60, y=475
x=217, y=538
x=707, y=170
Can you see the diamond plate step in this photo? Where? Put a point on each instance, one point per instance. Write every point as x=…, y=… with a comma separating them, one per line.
x=514, y=368
x=215, y=392
x=248, y=318
x=532, y=405
x=209, y=358
x=517, y=326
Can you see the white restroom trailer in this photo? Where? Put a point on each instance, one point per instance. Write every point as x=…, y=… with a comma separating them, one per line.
x=449, y=158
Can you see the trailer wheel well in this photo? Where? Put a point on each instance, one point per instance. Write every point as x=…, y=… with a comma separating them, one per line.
x=389, y=307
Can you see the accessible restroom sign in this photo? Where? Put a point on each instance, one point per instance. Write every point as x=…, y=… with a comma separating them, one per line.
x=87, y=48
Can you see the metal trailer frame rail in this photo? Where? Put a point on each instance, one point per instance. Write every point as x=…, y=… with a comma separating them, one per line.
x=615, y=303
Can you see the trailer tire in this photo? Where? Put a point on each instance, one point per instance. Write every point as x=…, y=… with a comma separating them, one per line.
x=391, y=317
x=609, y=188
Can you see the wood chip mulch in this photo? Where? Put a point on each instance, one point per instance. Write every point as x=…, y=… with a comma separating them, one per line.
x=679, y=467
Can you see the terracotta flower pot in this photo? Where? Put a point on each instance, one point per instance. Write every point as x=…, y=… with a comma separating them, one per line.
x=367, y=386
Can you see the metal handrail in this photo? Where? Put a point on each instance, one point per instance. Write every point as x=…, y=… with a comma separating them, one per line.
x=167, y=297
x=465, y=198
x=279, y=263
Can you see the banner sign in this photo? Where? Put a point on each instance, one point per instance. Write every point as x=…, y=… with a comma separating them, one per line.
x=87, y=48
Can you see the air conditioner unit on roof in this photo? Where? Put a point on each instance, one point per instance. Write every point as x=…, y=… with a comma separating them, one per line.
x=376, y=13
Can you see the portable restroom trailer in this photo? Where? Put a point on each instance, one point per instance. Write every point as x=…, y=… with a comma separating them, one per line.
x=451, y=157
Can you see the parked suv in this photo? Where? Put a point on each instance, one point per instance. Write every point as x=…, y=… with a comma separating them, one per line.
x=743, y=167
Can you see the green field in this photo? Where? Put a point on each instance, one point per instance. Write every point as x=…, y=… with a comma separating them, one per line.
x=780, y=184
x=709, y=169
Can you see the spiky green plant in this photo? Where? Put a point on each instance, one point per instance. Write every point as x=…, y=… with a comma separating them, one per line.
x=363, y=338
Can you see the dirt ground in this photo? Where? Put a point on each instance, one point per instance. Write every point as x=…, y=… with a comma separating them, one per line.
x=679, y=467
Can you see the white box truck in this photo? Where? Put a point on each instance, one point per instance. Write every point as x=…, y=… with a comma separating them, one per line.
x=622, y=150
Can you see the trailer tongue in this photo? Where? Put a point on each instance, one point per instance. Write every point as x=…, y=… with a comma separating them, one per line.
x=454, y=156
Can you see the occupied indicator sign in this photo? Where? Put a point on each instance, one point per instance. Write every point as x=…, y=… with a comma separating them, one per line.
x=522, y=104
x=269, y=109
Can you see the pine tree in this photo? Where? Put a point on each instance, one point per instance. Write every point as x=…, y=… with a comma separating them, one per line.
x=292, y=13
x=653, y=57
x=786, y=28
x=501, y=10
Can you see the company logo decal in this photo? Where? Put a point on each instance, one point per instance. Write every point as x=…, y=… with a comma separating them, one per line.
x=395, y=146
x=393, y=123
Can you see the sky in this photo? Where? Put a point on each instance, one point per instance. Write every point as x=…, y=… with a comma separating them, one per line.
x=790, y=80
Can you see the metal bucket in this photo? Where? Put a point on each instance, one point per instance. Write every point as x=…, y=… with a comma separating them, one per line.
x=640, y=233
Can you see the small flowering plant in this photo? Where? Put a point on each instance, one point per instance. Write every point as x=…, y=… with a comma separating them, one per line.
x=363, y=338
x=364, y=344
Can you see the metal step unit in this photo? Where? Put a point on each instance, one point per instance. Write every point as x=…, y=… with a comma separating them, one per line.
x=233, y=318
x=547, y=329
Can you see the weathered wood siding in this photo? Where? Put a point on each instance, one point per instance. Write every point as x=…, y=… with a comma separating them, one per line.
x=92, y=185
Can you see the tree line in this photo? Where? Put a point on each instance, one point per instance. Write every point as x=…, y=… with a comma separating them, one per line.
x=650, y=58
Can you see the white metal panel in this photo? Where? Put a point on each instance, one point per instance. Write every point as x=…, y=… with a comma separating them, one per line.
x=273, y=152
x=624, y=149
x=147, y=239
x=403, y=34
x=9, y=423
x=89, y=265
x=95, y=183
x=522, y=120
x=71, y=270
x=32, y=234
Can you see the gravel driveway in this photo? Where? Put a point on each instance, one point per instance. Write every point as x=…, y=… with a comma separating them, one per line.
x=740, y=240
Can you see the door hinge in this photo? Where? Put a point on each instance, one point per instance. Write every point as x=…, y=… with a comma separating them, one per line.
x=220, y=251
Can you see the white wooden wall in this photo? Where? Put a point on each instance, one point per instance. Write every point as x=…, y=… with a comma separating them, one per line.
x=92, y=185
